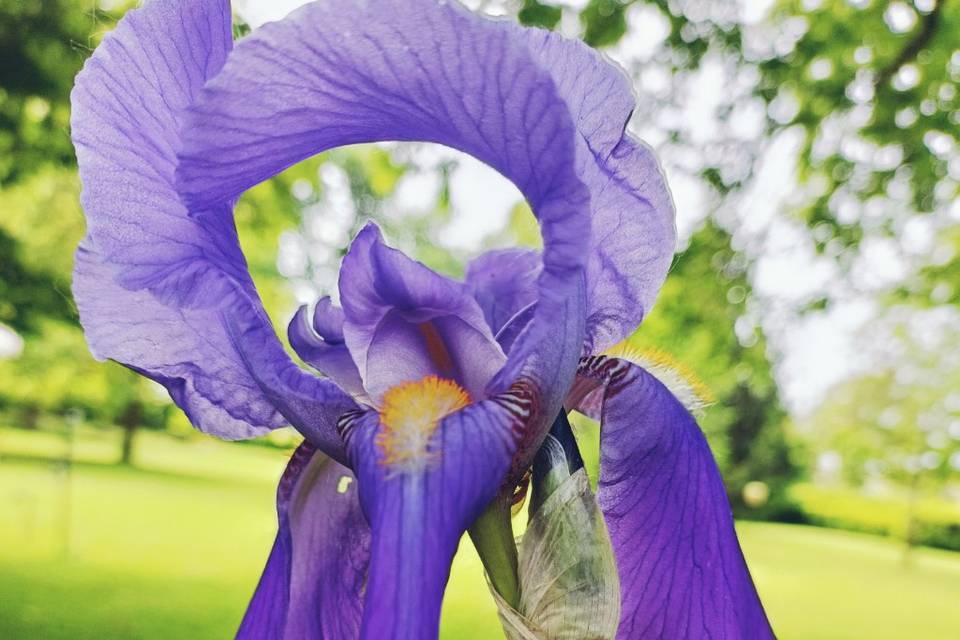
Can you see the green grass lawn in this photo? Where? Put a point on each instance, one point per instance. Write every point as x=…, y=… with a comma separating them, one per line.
x=173, y=549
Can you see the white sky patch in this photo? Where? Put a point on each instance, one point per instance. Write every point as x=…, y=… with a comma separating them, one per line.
x=258, y=12
x=790, y=269
x=821, y=352
x=415, y=192
x=647, y=29
x=481, y=200
x=700, y=110
x=768, y=193
x=879, y=264
x=690, y=198
x=816, y=351
x=11, y=344
x=753, y=11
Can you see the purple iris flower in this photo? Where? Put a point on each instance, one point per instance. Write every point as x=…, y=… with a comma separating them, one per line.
x=437, y=396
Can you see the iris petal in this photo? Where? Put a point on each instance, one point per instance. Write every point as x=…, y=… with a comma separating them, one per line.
x=418, y=514
x=321, y=345
x=312, y=405
x=631, y=211
x=682, y=573
x=633, y=235
x=148, y=271
x=504, y=282
x=179, y=348
x=404, y=322
x=340, y=72
x=313, y=583
x=161, y=289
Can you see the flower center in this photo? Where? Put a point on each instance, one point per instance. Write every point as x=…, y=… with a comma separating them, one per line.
x=410, y=415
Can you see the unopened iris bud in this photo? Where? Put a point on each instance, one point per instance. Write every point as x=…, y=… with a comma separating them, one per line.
x=569, y=587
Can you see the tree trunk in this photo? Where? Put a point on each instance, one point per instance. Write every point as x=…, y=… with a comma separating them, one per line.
x=130, y=421
x=30, y=417
x=913, y=497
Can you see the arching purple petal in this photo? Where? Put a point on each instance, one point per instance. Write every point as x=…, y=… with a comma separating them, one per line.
x=154, y=282
x=504, y=282
x=404, y=322
x=340, y=72
x=313, y=582
x=632, y=214
x=682, y=573
x=320, y=344
x=631, y=211
x=418, y=516
x=127, y=106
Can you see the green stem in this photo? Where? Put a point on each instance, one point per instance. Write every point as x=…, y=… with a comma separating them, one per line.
x=492, y=535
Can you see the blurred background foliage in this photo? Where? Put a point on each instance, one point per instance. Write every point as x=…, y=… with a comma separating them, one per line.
x=854, y=100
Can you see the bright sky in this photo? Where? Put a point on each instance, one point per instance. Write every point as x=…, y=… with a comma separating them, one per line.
x=815, y=351
x=10, y=343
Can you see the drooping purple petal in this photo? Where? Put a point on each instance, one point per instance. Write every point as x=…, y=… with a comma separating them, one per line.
x=154, y=282
x=404, y=322
x=313, y=582
x=340, y=72
x=682, y=573
x=504, y=282
x=169, y=345
x=320, y=344
x=418, y=515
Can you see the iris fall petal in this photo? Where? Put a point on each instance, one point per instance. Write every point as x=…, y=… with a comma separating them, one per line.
x=682, y=573
x=313, y=583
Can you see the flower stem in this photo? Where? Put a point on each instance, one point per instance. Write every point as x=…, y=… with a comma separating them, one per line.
x=492, y=535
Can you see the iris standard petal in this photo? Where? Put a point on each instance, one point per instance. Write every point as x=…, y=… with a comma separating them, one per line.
x=339, y=72
x=313, y=582
x=633, y=233
x=404, y=322
x=154, y=281
x=418, y=508
x=504, y=282
x=682, y=573
x=320, y=344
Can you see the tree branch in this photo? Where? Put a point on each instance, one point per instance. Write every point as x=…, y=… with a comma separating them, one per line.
x=928, y=29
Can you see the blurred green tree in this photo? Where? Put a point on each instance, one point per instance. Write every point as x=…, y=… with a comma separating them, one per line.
x=898, y=427
x=43, y=44
x=55, y=374
x=873, y=87
x=42, y=47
